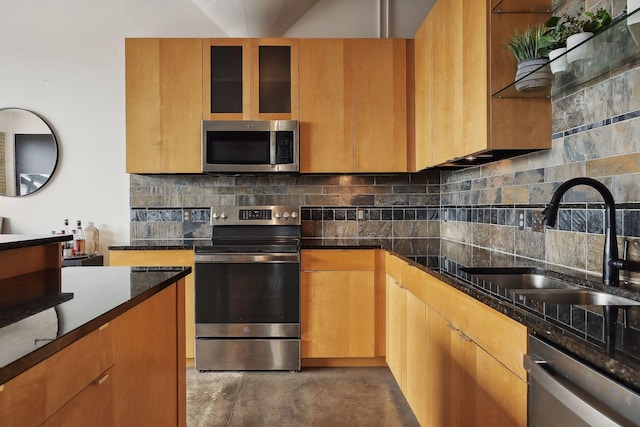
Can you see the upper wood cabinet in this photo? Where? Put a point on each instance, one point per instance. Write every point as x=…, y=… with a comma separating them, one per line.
x=457, y=119
x=353, y=105
x=163, y=105
x=250, y=79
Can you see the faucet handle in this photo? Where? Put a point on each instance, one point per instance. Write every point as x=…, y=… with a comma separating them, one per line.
x=625, y=250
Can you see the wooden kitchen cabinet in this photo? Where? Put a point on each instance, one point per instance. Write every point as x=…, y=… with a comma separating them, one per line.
x=326, y=110
x=353, y=105
x=150, y=374
x=407, y=332
x=457, y=118
x=250, y=79
x=166, y=258
x=340, y=300
x=457, y=361
x=59, y=388
x=163, y=105
x=474, y=361
x=396, y=329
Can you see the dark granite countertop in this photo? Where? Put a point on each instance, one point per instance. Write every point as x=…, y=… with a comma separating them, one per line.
x=15, y=241
x=576, y=329
x=89, y=298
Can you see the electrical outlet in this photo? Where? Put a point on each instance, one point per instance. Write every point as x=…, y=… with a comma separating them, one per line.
x=186, y=215
x=537, y=221
x=520, y=218
x=361, y=214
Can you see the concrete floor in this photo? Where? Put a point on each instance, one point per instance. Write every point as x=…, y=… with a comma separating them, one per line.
x=313, y=397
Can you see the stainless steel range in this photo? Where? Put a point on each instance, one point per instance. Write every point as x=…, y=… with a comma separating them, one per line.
x=247, y=290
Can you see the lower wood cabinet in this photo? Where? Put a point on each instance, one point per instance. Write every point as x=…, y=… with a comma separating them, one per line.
x=150, y=374
x=129, y=371
x=340, y=305
x=457, y=361
x=166, y=258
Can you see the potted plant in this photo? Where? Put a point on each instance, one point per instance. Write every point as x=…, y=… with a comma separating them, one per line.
x=531, y=49
x=559, y=28
x=583, y=29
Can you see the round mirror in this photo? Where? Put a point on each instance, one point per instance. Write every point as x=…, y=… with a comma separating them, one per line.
x=28, y=152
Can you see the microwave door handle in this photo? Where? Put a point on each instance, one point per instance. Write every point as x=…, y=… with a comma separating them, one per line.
x=272, y=150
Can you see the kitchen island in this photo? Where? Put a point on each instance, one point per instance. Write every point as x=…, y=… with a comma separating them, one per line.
x=100, y=346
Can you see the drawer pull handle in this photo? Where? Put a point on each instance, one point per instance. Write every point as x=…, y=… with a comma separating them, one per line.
x=102, y=379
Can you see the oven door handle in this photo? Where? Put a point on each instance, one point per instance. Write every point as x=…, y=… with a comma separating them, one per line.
x=243, y=258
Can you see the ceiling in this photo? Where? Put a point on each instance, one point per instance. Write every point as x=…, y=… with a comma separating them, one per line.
x=254, y=18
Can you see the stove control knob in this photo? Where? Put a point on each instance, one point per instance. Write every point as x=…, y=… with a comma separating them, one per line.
x=294, y=215
x=214, y=215
x=277, y=215
x=223, y=215
x=285, y=215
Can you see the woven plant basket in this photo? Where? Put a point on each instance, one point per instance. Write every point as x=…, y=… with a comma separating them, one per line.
x=535, y=81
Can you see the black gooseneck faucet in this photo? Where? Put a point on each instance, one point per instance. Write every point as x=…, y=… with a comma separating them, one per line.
x=611, y=264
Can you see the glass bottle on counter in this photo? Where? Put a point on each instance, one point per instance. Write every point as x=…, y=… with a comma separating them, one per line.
x=79, y=240
x=92, y=239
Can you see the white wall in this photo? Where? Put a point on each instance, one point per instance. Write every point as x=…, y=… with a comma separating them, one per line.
x=64, y=60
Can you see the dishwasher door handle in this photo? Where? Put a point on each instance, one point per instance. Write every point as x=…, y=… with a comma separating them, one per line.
x=563, y=391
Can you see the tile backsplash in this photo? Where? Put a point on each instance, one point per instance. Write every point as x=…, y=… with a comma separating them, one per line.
x=399, y=211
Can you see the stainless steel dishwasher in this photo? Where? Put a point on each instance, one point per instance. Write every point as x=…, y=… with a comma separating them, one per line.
x=565, y=392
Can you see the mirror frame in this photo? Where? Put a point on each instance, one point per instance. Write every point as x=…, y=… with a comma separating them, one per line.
x=55, y=142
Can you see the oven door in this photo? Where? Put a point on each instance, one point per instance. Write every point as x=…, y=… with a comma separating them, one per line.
x=247, y=295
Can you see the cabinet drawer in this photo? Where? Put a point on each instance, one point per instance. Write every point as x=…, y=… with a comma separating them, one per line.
x=36, y=394
x=92, y=406
x=337, y=260
x=73, y=368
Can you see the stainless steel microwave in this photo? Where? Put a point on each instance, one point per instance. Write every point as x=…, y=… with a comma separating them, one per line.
x=250, y=146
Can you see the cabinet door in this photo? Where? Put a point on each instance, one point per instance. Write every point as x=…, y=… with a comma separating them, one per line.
x=396, y=331
x=441, y=344
x=163, y=104
x=150, y=375
x=166, y=258
x=424, y=84
x=326, y=87
x=475, y=70
x=447, y=88
x=416, y=374
x=226, y=79
x=500, y=396
x=380, y=105
x=338, y=314
x=274, y=79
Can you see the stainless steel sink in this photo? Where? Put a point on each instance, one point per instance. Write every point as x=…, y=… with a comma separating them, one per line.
x=573, y=297
x=519, y=278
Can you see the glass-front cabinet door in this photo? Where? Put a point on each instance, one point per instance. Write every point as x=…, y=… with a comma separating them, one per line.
x=250, y=79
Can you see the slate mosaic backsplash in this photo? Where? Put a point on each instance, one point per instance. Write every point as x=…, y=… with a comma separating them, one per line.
x=399, y=211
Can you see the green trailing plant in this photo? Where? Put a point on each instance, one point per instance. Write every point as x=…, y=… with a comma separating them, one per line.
x=534, y=42
x=560, y=28
x=596, y=21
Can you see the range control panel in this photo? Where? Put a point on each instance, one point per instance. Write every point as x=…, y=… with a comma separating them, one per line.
x=255, y=215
